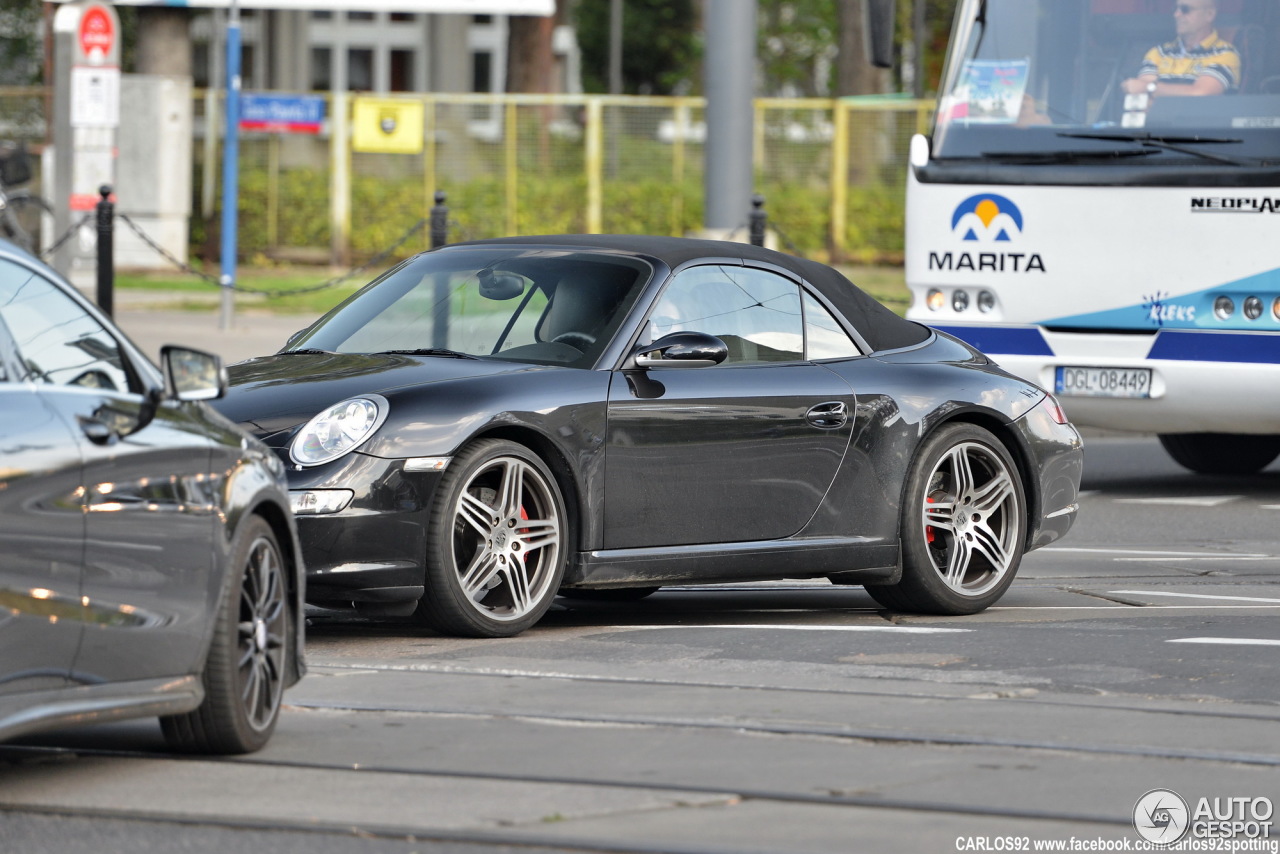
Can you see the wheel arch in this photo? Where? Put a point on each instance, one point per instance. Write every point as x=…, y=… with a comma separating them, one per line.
x=277, y=520
x=561, y=468
x=1005, y=433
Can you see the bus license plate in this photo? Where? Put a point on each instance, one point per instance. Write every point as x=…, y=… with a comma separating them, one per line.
x=1075, y=381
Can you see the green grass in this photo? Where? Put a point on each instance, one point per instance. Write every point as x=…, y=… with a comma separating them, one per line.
x=191, y=293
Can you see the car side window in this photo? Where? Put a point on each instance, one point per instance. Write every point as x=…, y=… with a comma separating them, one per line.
x=756, y=313
x=57, y=342
x=824, y=337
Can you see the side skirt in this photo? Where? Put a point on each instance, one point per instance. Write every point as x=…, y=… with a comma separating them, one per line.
x=718, y=563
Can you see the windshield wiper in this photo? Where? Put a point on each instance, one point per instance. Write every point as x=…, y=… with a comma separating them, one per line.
x=426, y=351
x=1179, y=144
x=306, y=351
x=1069, y=156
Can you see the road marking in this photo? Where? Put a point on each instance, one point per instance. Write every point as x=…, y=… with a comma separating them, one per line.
x=915, y=630
x=1153, y=553
x=1187, y=501
x=1195, y=596
x=1270, y=506
x=1229, y=641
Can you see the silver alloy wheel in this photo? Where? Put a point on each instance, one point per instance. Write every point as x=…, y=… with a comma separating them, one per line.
x=261, y=642
x=971, y=516
x=507, y=531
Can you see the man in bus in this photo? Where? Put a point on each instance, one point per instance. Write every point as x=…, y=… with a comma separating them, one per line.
x=1197, y=62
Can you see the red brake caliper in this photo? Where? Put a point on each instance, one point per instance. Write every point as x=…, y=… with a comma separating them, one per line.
x=928, y=529
x=525, y=516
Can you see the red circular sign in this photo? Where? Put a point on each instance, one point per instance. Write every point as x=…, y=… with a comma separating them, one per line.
x=97, y=33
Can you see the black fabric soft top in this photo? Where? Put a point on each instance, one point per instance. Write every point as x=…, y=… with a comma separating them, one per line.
x=881, y=328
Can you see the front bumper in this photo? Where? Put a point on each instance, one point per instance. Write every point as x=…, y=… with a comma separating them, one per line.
x=372, y=551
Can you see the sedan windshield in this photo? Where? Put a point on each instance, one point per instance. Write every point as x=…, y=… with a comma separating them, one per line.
x=550, y=307
x=1141, y=82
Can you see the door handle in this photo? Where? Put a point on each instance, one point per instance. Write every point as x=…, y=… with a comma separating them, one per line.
x=828, y=415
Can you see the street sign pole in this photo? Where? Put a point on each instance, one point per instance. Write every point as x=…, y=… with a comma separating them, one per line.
x=231, y=170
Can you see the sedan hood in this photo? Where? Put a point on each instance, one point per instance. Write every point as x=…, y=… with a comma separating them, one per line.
x=274, y=393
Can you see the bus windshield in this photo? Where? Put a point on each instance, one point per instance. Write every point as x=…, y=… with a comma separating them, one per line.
x=1145, y=82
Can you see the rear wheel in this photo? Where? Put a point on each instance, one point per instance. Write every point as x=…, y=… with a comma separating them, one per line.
x=245, y=672
x=1221, y=453
x=963, y=525
x=496, y=544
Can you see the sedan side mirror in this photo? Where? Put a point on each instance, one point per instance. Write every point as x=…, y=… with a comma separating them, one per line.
x=192, y=374
x=681, y=350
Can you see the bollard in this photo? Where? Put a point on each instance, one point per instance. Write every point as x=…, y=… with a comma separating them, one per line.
x=439, y=237
x=106, y=251
x=759, y=220
x=439, y=221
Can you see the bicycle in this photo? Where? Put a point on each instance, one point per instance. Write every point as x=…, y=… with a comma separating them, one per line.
x=21, y=211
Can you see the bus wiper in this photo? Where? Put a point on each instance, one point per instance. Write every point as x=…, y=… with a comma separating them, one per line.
x=1033, y=158
x=1179, y=144
x=426, y=351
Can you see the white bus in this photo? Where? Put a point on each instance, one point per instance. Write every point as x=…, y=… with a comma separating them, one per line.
x=1117, y=242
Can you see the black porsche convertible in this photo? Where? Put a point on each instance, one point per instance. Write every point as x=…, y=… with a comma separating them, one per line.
x=495, y=423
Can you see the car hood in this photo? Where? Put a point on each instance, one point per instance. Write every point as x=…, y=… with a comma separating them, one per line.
x=274, y=393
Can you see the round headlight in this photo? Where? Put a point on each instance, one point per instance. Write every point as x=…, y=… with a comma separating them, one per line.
x=339, y=429
x=1253, y=308
x=986, y=301
x=935, y=300
x=960, y=300
x=1275, y=308
x=1224, y=307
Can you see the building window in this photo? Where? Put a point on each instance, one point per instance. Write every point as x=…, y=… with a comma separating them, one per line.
x=482, y=71
x=404, y=18
x=321, y=68
x=360, y=69
x=402, y=71
x=359, y=16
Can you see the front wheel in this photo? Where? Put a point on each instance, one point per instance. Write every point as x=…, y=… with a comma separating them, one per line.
x=1221, y=453
x=245, y=672
x=963, y=525
x=496, y=542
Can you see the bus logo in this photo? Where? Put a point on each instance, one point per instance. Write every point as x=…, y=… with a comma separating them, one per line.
x=992, y=219
x=987, y=217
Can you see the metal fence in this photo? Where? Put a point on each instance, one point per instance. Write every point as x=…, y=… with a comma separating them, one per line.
x=832, y=172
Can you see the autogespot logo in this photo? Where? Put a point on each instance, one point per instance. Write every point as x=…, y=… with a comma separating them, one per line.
x=987, y=217
x=1161, y=816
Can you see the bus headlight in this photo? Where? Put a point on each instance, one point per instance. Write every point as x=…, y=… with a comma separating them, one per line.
x=960, y=300
x=935, y=300
x=986, y=301
x=1253, y=308
x=1224, y=307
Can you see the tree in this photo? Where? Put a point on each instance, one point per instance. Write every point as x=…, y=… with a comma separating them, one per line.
x=531, y=61
x=20, y=48
x=797, y=46
x=660, y=48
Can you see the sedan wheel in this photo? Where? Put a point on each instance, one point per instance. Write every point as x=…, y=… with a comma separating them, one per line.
x=496, y=544
x=244, y=674
x=963, y=525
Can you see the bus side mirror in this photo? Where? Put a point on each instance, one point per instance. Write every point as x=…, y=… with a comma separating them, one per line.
x=879, y=30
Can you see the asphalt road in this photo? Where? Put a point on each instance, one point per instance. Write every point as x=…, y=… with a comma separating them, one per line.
x=1139, y=653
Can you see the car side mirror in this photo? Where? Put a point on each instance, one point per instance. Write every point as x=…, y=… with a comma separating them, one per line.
x=681, y=350
x=192, y=374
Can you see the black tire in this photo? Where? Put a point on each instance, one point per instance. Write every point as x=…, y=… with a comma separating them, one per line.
x=245, y=672
x=963, y=527
x=612, y=594
x=496, y=543
x=1221, y=453
x=24, y=218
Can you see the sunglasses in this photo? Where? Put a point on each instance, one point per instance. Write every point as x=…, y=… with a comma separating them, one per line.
x=1185, y=9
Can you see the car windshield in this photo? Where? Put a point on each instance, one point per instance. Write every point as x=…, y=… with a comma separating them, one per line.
x=1050, y=80
x=551, y=307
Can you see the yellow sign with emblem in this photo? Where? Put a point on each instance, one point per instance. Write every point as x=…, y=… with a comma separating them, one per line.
x=388, y=126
